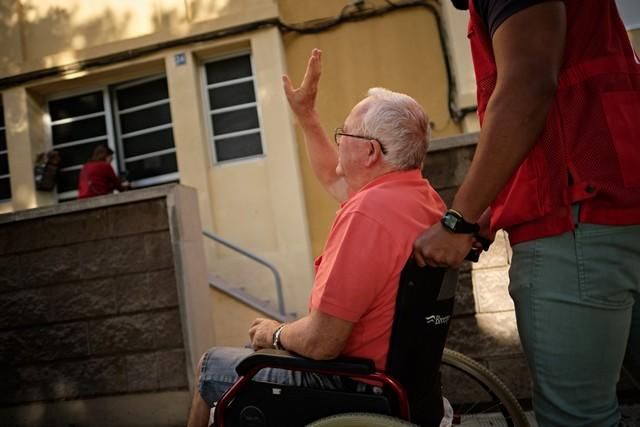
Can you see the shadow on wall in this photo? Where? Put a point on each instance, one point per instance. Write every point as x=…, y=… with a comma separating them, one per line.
x=483, y=326
x=37, y=36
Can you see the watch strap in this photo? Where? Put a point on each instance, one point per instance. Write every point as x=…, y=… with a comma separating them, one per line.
x=453, y=221
x=276, y=337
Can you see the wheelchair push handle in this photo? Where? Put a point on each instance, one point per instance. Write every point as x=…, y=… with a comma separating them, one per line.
x=474, y=253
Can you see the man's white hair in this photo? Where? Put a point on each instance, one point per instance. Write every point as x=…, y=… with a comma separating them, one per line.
x=400, y=124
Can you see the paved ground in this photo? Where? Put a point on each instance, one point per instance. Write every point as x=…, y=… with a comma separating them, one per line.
x=630, y=418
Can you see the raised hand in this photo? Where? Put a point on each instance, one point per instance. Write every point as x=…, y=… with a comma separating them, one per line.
x=302, y=99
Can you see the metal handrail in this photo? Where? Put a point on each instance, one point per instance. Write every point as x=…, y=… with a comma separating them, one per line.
x=256, y=258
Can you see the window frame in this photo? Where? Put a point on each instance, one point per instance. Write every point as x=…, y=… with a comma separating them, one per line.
x=113, y=136
x=73, y=194
x=6, y=176
x=208, y=112
x=156, y=180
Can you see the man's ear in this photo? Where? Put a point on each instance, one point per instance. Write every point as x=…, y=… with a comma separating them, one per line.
x=374, y=155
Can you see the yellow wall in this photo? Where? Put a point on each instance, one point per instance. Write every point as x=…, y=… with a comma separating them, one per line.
x=25, y=137
x=231, y=319
x=400, y=51
x=45, y=33
x=635, y=39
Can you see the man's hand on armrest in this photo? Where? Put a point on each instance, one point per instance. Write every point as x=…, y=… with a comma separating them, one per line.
x=261, y=333
x=317, y=336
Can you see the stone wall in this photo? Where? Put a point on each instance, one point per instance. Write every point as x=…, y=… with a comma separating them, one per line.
x=483, y=326
x=90, y=303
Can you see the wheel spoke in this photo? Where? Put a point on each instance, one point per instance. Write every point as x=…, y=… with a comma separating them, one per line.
x=479, y=398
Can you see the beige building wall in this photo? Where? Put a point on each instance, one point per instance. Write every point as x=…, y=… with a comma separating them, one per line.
x=48, y=33
x=635, y=39
x=400, y=51
x=25, y=136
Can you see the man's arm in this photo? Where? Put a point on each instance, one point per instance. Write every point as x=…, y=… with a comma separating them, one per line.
x=322, y=153
x=528, y=49
x=317, y=336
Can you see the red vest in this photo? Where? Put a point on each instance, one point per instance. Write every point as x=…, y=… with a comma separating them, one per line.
x=589, y=151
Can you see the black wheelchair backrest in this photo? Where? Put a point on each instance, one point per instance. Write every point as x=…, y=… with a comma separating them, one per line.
x=424, y=306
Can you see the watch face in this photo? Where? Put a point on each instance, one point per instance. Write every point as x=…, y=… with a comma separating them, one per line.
x=450, y=221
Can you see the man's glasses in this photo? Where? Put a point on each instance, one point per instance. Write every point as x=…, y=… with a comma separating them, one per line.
x=338, y=132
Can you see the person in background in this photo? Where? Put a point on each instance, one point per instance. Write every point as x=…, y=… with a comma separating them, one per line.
x=97, y=176
x=558, y=156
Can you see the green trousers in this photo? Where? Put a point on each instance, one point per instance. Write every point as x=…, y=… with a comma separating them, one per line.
x=577, y=299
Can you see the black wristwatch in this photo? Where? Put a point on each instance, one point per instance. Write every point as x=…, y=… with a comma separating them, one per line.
x=454, y=222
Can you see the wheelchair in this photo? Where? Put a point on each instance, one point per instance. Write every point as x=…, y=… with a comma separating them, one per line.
x=411, y=389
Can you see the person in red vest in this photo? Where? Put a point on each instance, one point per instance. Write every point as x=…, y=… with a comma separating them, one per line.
x=558, y=167
x=97, y=176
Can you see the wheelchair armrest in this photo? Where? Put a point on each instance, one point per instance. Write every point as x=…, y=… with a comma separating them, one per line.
x=285, y=360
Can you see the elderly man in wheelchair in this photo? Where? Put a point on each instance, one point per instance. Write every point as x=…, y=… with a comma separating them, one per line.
x=383, y=318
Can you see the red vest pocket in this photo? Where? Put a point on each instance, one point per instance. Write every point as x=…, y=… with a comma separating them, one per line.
x=622, y=111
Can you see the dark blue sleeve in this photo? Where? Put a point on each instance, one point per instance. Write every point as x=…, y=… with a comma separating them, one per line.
x=495, y=12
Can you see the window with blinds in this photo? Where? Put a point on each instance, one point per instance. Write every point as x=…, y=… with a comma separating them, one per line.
x=232, y=108
x=78, y=124
x=132, y=118
x=144, y=132
x=5, y=179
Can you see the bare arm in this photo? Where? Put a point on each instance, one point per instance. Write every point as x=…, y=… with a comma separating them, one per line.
x=317, y=336
x=528, y=49
x=322, y=153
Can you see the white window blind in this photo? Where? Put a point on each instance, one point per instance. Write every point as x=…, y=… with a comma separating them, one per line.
x=232, y=108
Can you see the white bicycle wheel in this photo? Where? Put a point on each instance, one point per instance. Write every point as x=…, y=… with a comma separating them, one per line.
x=359, y=419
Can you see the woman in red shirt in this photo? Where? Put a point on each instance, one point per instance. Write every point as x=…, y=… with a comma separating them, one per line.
x=97, y=176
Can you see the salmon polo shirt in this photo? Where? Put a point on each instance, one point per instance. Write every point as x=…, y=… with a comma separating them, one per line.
x=371, y=239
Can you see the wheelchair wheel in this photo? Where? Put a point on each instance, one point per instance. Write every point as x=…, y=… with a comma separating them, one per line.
x=358, y=419
x=478, y=396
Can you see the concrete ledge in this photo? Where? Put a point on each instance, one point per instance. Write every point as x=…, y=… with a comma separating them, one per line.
x=453, y=142
x=126, y=197
x=166, y=409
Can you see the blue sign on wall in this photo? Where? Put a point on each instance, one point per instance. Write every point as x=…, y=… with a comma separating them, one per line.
x=180, y=58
